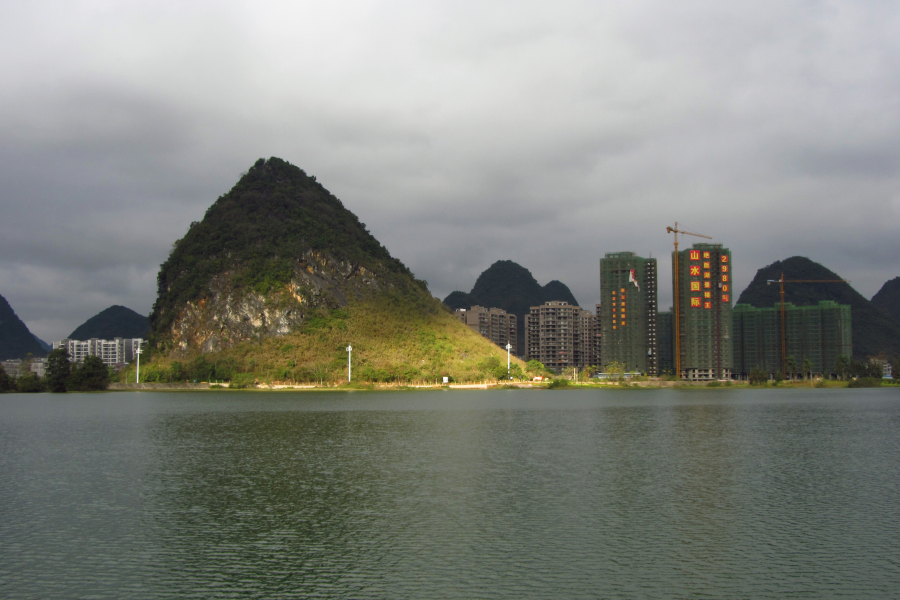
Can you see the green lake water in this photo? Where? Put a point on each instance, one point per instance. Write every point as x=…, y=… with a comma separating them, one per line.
x=451, y=494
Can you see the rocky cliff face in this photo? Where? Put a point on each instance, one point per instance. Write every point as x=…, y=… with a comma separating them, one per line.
x=230, y=314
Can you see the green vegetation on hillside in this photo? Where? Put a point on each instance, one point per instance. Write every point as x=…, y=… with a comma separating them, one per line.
x=115, y=321
x=258, y=232
x=513, y=288
x=888, y=298
x=393, y=340
x=874, y=331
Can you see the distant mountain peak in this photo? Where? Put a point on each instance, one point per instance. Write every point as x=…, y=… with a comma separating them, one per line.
x=16, y=341
x=115, y=321
x=510, y=286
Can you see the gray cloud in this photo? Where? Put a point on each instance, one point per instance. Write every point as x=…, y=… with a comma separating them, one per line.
x=461, y=133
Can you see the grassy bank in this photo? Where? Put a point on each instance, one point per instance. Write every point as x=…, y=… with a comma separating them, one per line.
x=392, y=341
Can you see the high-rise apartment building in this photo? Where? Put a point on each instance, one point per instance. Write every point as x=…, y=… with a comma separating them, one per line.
x=493, y=323
x=561, y=336
x=628, y=312
x=704, y=303
x=587, y=339
x=818, y=333
x=597, y=340
x=666, y=343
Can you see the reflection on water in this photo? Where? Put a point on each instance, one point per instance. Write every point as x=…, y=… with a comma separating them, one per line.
x=631, y=493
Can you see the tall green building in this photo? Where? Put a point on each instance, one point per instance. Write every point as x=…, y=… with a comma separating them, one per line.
x=627, y=312
x=666, y=343
x=818, y=333
x=704, y=302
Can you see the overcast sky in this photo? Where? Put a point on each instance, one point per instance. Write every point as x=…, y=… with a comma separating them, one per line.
x=461, y=133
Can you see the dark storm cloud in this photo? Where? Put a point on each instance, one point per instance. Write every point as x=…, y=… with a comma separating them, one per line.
x=461, y=133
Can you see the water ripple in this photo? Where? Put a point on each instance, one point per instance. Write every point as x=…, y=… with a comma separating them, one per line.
x=519, y=494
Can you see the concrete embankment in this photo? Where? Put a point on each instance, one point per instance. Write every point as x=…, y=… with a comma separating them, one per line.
x=453, y=386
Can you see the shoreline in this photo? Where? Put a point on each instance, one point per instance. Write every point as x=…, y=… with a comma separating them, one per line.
x=278, y=387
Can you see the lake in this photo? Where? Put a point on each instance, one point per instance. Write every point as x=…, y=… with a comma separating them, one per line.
x=451, y=494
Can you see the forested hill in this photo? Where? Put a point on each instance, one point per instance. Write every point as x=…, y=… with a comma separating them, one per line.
x=888, y=298
x=275, y=218
x=512, y=287
x=874, y=331
x=115, y=321
x=15, y=339
x=279, y=279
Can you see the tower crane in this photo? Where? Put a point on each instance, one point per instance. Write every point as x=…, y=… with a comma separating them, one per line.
x=783, y=281
x=676, y=231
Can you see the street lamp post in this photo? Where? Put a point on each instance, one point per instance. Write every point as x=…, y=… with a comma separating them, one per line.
x=508, y=348
x=349, y=355
x=138, y=352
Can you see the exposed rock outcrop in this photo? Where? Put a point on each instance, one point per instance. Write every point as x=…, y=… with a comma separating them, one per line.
x=230, y=314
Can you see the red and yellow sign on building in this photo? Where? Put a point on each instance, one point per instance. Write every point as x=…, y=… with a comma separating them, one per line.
x=708, y=277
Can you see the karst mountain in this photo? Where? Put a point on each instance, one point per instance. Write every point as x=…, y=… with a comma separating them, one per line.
x=279, y=277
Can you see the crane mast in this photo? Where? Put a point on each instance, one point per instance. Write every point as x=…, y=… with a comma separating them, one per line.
x=677, y=320
x=783, y=281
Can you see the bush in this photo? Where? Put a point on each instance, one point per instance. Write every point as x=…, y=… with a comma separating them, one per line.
x=558, y=384
x=29, y=384
x=177, y=372
x=714, y=384
x=7, y=383
x=91, y=376
x=865, y=382
x=515, y=371
x=534, y=367
x=758, y=377
x=59, y=370
x=242, y=380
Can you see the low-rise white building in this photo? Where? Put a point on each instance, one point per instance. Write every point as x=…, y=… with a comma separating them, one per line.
x=19, y=368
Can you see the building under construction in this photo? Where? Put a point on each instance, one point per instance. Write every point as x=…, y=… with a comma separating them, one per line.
x=561, y=336
x=704, y=302
x=818, y=333
x=628, y=312
x=666, y=342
